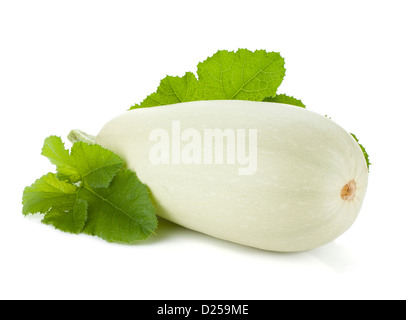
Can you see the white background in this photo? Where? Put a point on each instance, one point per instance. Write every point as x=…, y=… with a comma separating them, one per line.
x=77, y=64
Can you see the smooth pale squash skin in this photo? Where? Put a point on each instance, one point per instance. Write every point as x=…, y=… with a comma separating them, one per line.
x=294, y=201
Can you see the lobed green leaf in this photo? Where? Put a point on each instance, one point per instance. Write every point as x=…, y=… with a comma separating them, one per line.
x=366, y=155
x=283, y=98
x=96, y=165
x=72, y=220
x=123, y=212
x=171, y=90
x=92, y=193
x=54, y=149
x=240, y=75
x=48, y=192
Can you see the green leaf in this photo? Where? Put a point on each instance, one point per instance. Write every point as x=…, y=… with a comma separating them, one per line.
x=48, y=192
x=123, y=212
x=72, y=220
x=54, y=150
x=171, y=90
x=283, y=98
x=96, y=165
x=241, y=75
x=363, y=151
x=106, y=200
x=92, y=163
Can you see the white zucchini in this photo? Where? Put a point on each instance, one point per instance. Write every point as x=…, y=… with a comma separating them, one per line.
x=307, y=189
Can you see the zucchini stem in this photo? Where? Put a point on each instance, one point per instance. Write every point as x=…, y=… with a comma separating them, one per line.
x=78, y=135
